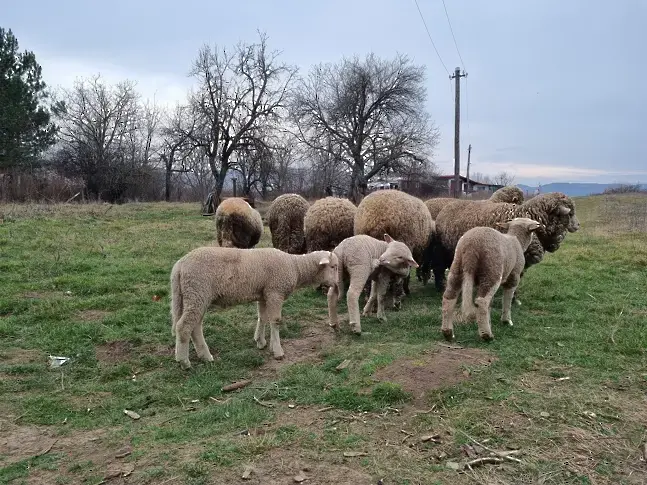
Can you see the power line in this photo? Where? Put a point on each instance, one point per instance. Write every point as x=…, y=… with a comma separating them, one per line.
x=432, y=41
x=452, y=31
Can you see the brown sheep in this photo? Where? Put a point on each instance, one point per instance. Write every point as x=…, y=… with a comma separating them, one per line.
x=509, y=193
x=328, y=222
x=238, y=225
x=486, y=259
x=285, y=220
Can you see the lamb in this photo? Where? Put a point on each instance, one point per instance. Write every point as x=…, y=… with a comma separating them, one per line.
x=229, y=276
x=488, y=259
x=285, y=220
x=238, y=225
x=555, y=211
x=361, y=258
x=328, y=222
x=403, y=216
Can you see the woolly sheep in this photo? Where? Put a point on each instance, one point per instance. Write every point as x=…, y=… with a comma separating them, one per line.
x=436, y=204
x=554, y=210
x=361, y=258
x=403, y=216
x=488, y=259
x=228, y=276
x=509, y=193
x=285, y=220
x=328, y=222
x=238, y=225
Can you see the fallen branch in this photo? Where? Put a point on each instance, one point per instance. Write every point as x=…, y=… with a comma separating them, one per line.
x=493, y=460
x=236, y=385
x=643, y=449
x=500, y=454
x=47, y=450
x=265, y=404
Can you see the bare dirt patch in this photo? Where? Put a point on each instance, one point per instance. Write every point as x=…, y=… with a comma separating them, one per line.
x=115, y=351
x=39, y=295
x=444, y=367
x=92, y=315
x=279, y=467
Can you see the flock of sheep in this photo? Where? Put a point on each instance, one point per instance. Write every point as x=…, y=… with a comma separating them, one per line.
x=373, y=246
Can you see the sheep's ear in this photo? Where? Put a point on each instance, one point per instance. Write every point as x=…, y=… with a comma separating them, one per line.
x=388, y=238
x=324, y=261
x=563, y=210
x=412, y=262
x=503, y=225
x=534, y=226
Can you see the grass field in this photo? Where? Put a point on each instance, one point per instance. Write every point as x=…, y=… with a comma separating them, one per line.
x=562, y=393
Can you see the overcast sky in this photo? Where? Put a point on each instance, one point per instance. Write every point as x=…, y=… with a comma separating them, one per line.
x=555, y=88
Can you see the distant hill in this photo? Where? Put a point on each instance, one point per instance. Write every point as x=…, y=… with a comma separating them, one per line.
x=571, y=189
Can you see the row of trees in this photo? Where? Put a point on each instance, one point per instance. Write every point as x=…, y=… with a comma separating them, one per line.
x=249, y=116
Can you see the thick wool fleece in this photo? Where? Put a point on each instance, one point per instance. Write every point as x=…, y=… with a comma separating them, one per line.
x=488, y=259
x=509, y=193
x=228, y=276
x=238, y=225
x=328, y=222
x=362, y=258
x=436, y=204
x=285, y=220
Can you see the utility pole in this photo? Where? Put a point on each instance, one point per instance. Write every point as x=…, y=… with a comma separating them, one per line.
x=469, y=153
x=457, y=131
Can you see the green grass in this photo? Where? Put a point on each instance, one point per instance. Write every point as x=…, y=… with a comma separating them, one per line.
x=80, y=281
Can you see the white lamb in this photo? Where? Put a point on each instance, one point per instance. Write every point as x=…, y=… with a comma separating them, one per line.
x=490, y=259
x=362, y=257
x=228, y=276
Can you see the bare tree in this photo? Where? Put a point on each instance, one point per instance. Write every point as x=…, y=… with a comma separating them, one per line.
x=370, y=113
x=481, y=178
x=177, y=132
x=503, y=178
x=239, y=92
x=101, y=136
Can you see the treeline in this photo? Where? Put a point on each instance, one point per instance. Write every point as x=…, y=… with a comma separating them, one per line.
x=248, y=117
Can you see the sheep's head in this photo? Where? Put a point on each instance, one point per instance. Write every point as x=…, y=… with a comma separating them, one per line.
x=328, y=269
x=397, y=257
x=520, y=223
x=557, y=212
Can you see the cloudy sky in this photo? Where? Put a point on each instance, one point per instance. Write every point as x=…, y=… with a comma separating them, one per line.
x=554, y=89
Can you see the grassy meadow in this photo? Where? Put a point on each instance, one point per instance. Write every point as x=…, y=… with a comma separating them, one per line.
x=560, y=397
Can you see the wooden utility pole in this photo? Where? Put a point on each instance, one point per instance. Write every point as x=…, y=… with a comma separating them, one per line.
x=457, y=131
x=469, y=153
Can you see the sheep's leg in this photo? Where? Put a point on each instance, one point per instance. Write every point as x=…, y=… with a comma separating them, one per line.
x=450, y=297
x=273, y=307
x=506, y=315
x=371, y=301
x=483, y=313
x=200, y=344
x=259, y=334
x=352, y=301
x=184, y=329
x=333, y=298
x=382, y=285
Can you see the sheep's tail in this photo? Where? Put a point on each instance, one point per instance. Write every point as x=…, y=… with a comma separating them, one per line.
x=467, y=303
x=176, y=297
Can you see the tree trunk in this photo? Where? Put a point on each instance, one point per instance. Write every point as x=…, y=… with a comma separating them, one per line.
x=169, y=167
x=357, y=189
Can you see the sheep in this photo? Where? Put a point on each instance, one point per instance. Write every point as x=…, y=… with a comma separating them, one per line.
x=509, y=193
x=436, y=204
x=363, y=258
x=555, y=211
x=403, y=216
x=285, y=220
x=238, y=225
x=229, y=276
x=487, y=259
x=328, y=222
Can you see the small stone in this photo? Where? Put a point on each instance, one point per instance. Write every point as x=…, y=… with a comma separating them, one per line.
x=131, y=414
x=300, y=477
x=247, y=473
x=544, y=414
x=291, y=406
x=452, y=465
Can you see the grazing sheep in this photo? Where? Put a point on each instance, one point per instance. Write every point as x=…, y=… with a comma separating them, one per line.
x=285, y=220
x=362, y=258
x=487, y=259
x=328, y=222
x=238, y=225
x=228, y=276
x=436, y=204
x=554, y=210
x=403, y=216
x=509, y=193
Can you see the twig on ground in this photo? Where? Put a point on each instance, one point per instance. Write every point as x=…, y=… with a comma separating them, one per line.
x=46, y=450
x=643, y=449
x=500, y=454
x=265, y=404
x=236, y=385
x=482, y=461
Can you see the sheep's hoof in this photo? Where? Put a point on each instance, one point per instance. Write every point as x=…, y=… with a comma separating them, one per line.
x=448, y=333
x=206, y=358
x=260, y=344
x=487, y=336
x=185, y=364
x=357, y=330
x=517, y=301
x=507, y=322
x=279, y=356
x=382, y=318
